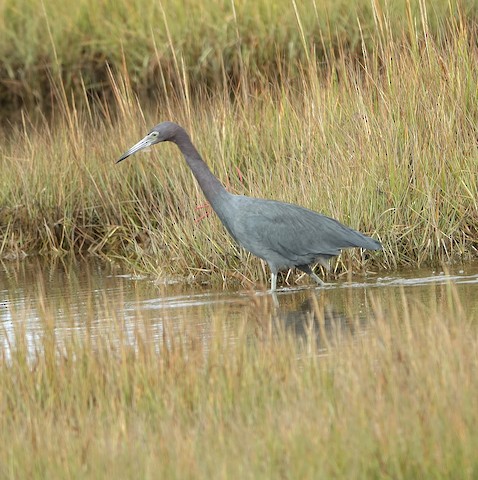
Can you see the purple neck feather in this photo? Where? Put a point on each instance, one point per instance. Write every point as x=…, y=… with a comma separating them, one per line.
x=210, y=185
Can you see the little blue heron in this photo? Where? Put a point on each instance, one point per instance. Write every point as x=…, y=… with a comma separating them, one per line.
x=283, y=234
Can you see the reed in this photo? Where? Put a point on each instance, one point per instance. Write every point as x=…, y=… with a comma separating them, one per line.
x=392, y=397
x=387, y=146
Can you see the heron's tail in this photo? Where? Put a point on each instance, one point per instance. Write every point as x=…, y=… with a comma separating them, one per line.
x=369, y=243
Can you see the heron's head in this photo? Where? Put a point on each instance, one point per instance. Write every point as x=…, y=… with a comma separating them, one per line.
x=163, y=132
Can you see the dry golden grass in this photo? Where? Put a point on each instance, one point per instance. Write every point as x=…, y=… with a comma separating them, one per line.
x=383, y=140
x=390, y=150
x=387, y=146
x=392, y=397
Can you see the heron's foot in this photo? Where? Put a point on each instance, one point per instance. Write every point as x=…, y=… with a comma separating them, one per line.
x=317, y=279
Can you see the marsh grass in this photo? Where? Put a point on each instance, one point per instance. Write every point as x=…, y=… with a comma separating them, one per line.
x=383, y=139
x=395, y=398
x=387, y=146
x=239, y=43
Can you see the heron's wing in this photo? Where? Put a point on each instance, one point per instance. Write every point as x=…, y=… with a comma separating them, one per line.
x=297, y=234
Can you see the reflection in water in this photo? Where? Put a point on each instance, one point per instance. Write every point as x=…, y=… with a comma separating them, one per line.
x=318, y=319
x=94, y=299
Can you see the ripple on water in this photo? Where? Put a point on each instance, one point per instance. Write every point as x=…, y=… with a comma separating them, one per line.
x=88, y=296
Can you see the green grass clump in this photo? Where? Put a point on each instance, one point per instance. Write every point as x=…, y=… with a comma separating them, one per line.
x=218, y=42
x=148, y=398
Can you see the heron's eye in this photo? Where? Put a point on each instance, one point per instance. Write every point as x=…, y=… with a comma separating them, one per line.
x=153, y=134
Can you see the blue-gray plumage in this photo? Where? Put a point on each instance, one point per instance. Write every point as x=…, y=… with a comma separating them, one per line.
x=283, y=234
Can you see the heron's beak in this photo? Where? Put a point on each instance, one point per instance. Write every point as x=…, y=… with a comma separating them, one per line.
x=144, y=143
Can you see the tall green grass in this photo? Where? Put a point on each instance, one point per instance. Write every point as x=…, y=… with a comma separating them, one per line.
x=216, y=41
x=395, y=397
x=387, y=146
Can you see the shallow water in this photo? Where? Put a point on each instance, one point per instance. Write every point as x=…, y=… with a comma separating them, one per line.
x=88, y=297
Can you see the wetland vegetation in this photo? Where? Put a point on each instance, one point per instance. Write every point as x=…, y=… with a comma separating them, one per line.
x=381, y=136
x=366, y=111
x=98, y=384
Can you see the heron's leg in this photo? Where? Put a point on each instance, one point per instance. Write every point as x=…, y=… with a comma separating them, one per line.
x=273, y=281
x=306, y=269
x=317, y=279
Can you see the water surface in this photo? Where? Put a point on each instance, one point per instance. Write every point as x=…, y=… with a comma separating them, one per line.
x=88, y=296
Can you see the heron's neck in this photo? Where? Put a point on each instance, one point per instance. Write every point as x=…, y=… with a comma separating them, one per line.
x=210, y=185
